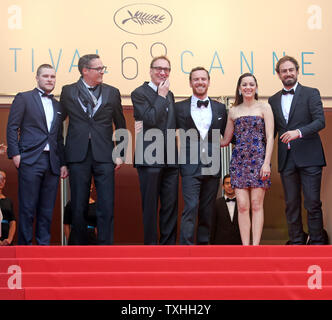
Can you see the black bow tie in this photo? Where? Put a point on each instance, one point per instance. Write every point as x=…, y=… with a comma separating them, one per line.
x=229, y=200
x=44, y=94
x=288, y=92
x=93, y=88
x=50, y=96
x=202, y=103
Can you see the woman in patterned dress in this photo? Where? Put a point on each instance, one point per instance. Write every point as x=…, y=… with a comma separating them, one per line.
x=252, y=123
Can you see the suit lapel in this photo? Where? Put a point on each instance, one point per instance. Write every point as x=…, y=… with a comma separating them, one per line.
x=170, y=112
x=149, y=90
x=294, y=101
x=56, y=115
x=235, y=218
x=227, y=211
x=105, y=93
x=152, y=94
x=214, y=114
x=40, y=107
x=279, y=109
x=187, y=114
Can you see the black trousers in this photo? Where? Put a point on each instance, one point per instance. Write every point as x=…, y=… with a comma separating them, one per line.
x=80, y=175
x=37, y=189
x=308, y=180
x=199, y=194
x=159, y=184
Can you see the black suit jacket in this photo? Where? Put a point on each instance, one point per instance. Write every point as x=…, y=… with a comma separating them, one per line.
x=157, y=113
x=307, y=115
x=192, y=164
x=27, y=132
x=99, y=128
x=223, y=229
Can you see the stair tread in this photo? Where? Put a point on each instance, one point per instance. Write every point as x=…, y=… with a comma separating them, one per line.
x=166, y=272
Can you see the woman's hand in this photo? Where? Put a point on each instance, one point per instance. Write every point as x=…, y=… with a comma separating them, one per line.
x=265, y=172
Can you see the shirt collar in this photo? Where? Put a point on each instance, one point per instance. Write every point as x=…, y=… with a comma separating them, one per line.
x=86, y=84
x=40, y=91
x=153, y=86
x=294, y=88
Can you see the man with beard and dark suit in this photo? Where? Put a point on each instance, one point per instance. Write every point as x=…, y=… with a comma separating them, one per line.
x=299, y=116
x=92, y=108
x=157, y=170
x=201, y=122
x=35, y=143
x=224, y=224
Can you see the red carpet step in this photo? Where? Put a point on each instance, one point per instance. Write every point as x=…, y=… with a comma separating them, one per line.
x=166, y=272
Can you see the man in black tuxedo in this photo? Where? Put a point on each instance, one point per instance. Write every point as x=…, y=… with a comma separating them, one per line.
x=92, y=108
x=201, y=122
x=299, y=116
x=157, y=170
x=224, y=224
x=35, y=143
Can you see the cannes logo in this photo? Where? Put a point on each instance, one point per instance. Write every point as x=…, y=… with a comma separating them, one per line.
x=143, y=19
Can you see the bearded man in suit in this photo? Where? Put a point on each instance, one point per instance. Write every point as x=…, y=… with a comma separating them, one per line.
x=299, y=116
x=92, y=107
x=35, y=144
x=201, y=121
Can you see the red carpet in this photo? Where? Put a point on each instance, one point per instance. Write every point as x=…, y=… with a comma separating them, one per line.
x=166, y=272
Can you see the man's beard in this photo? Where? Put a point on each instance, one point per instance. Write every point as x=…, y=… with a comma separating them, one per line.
x=289, y=82
x=201, y=91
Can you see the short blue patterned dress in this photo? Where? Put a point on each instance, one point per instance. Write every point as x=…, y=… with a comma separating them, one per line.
x=249, y=153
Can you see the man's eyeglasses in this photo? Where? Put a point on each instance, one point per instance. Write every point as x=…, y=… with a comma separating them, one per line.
x=159, y=69
x=99, y=69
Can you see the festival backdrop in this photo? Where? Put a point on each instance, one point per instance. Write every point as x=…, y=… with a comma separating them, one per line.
x=227, y=37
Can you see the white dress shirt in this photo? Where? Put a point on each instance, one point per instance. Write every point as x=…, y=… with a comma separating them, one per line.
x=153, y=86
x=231, y=207
x=49, y=113
x=286, y=102
x=201, y=116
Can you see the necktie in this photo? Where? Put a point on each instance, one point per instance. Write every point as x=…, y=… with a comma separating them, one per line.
x=201, y=103
x=229, y=200
x=50, y=96
x=288, y=92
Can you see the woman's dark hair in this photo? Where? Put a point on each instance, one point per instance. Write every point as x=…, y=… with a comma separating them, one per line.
x=238, y=97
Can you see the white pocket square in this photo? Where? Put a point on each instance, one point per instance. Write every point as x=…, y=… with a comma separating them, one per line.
x=59, y=112
x=219, y=118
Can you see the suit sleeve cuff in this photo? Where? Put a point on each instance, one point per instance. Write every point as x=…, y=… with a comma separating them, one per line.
x=300, y=133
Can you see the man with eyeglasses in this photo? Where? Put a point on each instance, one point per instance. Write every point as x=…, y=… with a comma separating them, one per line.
x=92, y=107
x=158, y=174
